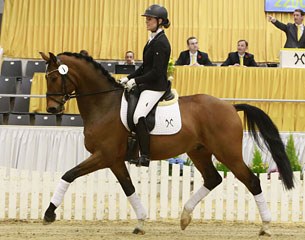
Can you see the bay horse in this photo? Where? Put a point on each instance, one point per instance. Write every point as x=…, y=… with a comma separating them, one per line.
x=209, y=126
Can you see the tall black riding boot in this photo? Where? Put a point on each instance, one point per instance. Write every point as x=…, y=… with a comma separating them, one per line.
x=144, y=142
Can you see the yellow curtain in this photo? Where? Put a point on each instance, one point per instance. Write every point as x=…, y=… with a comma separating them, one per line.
x=108, y=28
x=226, y=82
x=250, y=83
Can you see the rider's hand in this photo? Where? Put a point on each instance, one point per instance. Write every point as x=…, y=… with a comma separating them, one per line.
x=123, y=80
x=130, y=84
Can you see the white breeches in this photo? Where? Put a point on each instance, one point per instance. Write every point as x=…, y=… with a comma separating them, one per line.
x=146, y=102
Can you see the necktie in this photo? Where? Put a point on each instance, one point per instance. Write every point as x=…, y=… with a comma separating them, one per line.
x=193, y=59
x=299, y=32
x=241, y=61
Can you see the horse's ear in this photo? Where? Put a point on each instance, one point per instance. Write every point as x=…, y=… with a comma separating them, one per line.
x=53, y=58
x=45, y=57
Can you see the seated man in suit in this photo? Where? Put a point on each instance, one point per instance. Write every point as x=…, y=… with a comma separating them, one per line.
x=241, y=57
x=193, y=56
x=294, y=31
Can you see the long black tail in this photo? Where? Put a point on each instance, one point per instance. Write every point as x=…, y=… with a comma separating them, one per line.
x=258, y=119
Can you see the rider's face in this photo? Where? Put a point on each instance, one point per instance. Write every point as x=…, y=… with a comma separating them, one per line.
x=151, y=23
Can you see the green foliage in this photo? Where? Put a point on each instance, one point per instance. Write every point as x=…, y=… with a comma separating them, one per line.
x=292, y=155
x=257, y=162
x=171, y=68
x=220, y=167
x=188, y=162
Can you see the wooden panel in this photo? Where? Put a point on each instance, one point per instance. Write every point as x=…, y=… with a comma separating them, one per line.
x=12, y=202
x=164, y=190
x=24, y=194
x=152, y=210
x=175, y=187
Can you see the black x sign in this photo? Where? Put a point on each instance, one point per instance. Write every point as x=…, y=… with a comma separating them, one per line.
x=299, y=58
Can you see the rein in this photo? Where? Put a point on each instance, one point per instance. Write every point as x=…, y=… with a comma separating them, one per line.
x=76, y=95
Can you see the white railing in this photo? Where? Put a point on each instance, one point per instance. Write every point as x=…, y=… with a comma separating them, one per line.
x=26, y=195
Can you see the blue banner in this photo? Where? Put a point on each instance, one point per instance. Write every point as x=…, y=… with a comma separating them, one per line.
x=284, y=5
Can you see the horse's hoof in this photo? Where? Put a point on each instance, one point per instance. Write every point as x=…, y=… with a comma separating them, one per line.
x=185, y=219
x=138, y=231
x=48, y=219
x=264, y=231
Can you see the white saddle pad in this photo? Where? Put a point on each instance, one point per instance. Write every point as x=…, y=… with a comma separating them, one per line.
x=168, y=119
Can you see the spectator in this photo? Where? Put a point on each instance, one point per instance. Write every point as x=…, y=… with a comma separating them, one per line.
x=84, y=53
x=294, y=31
x=129, y=58
x=193, y=56
x=241, y=57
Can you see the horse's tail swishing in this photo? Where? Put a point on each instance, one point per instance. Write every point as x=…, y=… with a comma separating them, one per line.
x=258, y=119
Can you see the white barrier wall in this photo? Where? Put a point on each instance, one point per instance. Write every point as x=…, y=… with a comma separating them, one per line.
x=26, y=194
x=58, y=149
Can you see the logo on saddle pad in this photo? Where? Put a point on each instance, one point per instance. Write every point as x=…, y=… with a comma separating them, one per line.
x=167, y=116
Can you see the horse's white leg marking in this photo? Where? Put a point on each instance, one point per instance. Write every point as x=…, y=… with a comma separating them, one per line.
x=59, y=192
x=140, y=212
x=264, y=213
x=137, y=206
x=190, y=205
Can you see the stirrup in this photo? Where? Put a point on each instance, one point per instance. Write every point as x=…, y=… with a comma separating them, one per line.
x=133, y=161
x=143, y=161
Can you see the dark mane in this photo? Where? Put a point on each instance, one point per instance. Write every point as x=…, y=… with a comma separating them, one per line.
x=95, y=64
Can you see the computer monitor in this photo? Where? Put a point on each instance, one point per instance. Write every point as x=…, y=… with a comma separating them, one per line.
x=124, y=69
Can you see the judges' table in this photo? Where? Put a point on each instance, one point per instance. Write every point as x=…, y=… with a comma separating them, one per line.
x=229, y=82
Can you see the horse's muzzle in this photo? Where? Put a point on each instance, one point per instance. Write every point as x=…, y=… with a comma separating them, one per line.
x=55, y=110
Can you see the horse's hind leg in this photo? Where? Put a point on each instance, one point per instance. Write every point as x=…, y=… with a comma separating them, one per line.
x=252, y=182
x=91, y=164
x=203, y=162
x=121, y=173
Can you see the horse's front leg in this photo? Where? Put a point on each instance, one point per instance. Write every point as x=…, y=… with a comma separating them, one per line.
x=121, y=173
x=91, y=164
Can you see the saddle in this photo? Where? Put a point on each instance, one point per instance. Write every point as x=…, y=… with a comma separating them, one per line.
x=132, y=98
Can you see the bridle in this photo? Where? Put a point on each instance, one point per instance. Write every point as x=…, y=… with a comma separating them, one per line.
x=65, y=94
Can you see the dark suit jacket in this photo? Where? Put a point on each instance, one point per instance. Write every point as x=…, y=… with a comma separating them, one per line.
x=234, y=58
x=291, y=31
x=152, y=74
x=202, y=58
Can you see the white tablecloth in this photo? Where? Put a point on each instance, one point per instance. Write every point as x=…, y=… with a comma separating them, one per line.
x=41, y=148
x=61, y=148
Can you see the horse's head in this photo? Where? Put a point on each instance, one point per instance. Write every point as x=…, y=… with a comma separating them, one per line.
x=59, y=83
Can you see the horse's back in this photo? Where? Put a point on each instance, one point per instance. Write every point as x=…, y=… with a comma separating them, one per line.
x=210, y=114
x=205, y=104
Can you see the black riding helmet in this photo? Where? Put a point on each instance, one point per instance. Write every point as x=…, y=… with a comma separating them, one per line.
x=157, y=11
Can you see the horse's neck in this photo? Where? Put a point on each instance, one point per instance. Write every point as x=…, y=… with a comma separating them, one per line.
x=98, y=105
